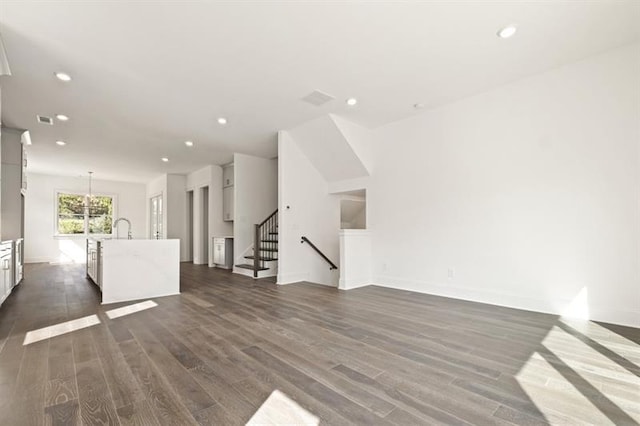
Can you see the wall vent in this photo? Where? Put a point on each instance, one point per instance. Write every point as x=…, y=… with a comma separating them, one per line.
x=318, y=98
x=45, y=120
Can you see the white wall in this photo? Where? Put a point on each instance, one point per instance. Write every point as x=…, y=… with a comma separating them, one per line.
x=41, y=244
x=305, y=208
x=210, y=176
x=529, y=193
x=256, y=197
x=334, y=146
x=355, y=258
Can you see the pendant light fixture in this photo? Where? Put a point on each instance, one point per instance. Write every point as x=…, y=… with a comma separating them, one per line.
x=89, y=208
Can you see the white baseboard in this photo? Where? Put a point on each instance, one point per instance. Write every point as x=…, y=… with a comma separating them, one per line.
x=108, y=302
x=293, y=278
x=626, y=317
x=39, y=260
x=353, y=283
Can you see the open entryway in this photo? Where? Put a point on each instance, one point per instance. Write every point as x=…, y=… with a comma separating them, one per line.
x=156, y=218
x=189, y=236
x=353, y=210
x=204, y=224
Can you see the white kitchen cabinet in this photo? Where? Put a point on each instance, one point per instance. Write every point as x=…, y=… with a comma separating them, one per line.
x=18, y=261
x=228, y=208
x=24, y=170
x=223, y=252
x=228, y=176
x=228, y=180
x=12, y=183
x=6, y=269
x=94, y=261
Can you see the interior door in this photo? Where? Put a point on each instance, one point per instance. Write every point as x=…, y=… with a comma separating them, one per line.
x=155, y=210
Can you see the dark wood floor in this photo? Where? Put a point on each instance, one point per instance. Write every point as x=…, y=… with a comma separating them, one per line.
x=215, y=353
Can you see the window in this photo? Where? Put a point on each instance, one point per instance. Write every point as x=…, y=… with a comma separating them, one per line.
x=74, y=218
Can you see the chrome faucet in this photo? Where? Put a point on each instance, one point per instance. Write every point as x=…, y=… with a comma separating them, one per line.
x=115, y=225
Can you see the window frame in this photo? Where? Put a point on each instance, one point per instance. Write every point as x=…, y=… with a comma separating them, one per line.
x=85, y=233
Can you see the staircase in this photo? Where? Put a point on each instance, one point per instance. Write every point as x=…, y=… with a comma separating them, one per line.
x=264, y=260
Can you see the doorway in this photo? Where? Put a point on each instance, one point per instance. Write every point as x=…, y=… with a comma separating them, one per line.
x=353, y=210
x=189, y=236
x=155, y=219
x=204, y=224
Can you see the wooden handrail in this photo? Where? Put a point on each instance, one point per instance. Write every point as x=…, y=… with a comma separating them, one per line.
x=269, y=217
x=306, y=240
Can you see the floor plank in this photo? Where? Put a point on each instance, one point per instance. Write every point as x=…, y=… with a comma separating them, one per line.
x=216, y=354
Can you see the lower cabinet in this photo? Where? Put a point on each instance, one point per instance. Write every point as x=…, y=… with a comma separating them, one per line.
x=6, y=269
x=18, y=262
x=223, y=252
x=94, y=262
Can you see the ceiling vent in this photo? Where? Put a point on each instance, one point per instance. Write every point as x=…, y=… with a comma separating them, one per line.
x=45, y=120
x=317, y=98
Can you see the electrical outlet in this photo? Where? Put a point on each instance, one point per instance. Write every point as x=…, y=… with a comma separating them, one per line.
x=451, y=273
x=384, y=267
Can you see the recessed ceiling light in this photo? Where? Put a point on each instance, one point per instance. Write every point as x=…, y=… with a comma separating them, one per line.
x=352, y=101
x=62, y=117
x=507, y=31
x=222, y=121
x=61, y=143
x=165, y=159
x=188, y=143
x=63, y=76
x=418, y=106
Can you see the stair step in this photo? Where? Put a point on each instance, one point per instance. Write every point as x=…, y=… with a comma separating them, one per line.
x=268, y=249
x=273, y=233
x=250, y=267
x=266, y=259
x=269, y=241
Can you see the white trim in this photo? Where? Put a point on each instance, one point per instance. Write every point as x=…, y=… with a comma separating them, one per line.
x=354, y=283
x=154, y=297
x=355, y=232
x=607, y=314
x=38, y=260
x=292, y=278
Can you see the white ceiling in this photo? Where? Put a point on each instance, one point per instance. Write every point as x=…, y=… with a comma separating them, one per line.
x=149, y=75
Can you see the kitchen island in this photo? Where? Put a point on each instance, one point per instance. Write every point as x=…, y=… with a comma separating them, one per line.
x=134, y=269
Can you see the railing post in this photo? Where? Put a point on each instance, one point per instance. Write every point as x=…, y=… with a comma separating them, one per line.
x=256, y=250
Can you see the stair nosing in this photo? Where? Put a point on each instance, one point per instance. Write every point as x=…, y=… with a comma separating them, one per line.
x=251, y=267
x=264, y=259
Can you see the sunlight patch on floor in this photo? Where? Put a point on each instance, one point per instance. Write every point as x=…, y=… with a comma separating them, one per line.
x=279, y=409
x=587, y=361
x=559, y=401
x=607, y=338
x=130, y=309
x=567, y=378
x=59, y=329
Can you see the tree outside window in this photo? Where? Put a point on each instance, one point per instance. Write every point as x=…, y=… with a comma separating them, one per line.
x=75, y=219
